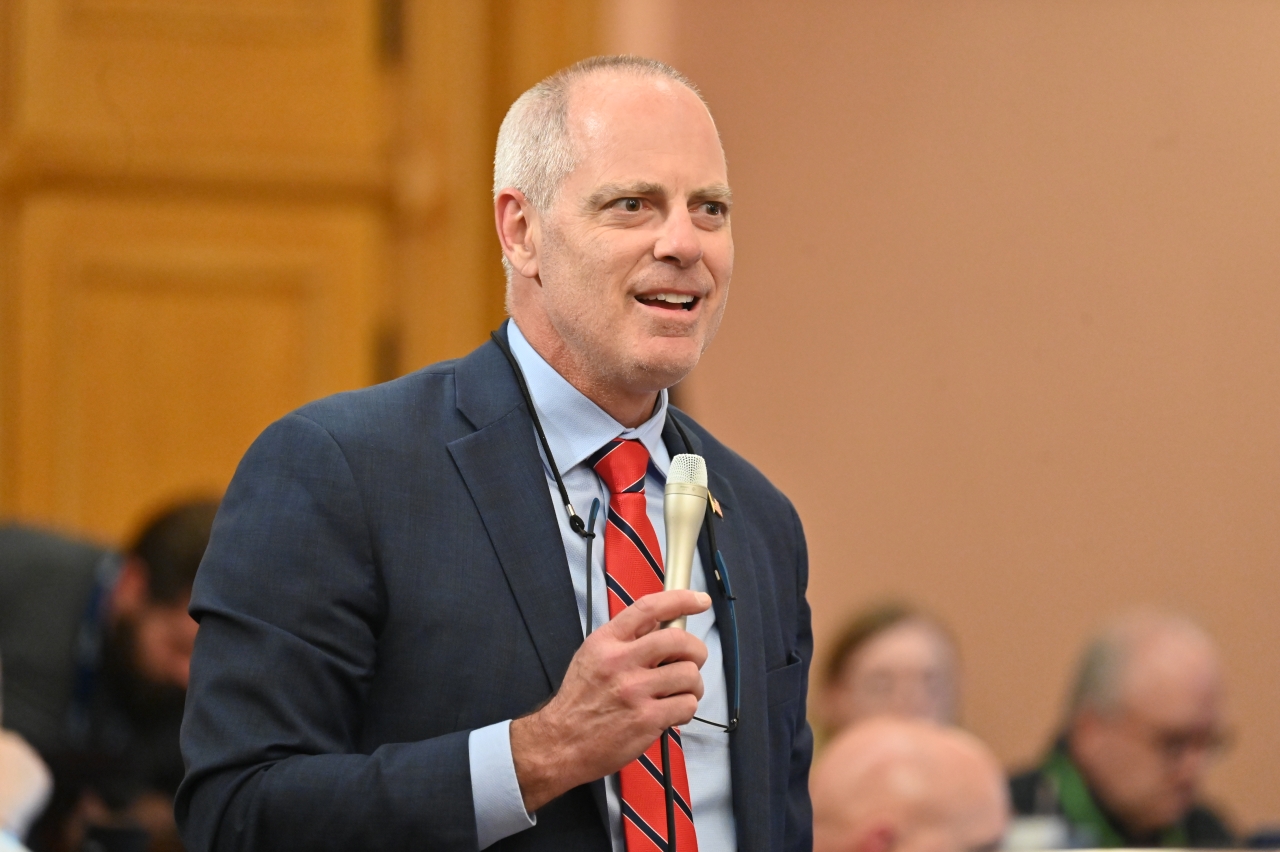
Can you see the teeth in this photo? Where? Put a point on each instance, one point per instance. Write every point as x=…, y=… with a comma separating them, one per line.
x=671, y=297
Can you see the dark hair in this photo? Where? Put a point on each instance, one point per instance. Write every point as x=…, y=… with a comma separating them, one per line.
x=865, y=626
x=171, y=545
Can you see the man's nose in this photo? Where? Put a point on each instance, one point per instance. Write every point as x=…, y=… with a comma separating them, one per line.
x=911, y=695
x=1188, y=767
x=680, y=241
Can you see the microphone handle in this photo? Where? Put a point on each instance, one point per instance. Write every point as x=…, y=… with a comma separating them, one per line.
x=684, y=507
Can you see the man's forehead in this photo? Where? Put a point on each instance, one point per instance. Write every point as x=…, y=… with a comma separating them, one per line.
x=1175, y=697
x=636, y=135
x=610, y=88
x=1171, y=658
x=606, y=104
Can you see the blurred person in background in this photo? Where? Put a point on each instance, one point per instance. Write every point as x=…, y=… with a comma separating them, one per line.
x=905, y=784
x=96, y=649
x=25, y=785
x=1143, y=725
x=890, y=659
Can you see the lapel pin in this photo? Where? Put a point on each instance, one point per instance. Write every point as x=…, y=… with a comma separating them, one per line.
x=715, y=506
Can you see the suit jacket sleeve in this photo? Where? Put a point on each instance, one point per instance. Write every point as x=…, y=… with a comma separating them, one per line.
x=290, y=604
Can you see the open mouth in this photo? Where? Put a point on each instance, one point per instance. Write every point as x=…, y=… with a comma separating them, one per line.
x=669, y=301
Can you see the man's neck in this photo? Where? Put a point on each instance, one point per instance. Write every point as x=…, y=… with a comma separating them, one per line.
x=629, y=408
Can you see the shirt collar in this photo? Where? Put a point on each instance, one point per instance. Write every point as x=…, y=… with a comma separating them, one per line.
x=574, y=425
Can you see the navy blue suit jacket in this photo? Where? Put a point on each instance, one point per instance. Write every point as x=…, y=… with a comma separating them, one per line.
x=386, y=574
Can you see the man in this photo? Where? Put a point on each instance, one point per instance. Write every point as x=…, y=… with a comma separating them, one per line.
x=393, y=606
x=890, y=659
x=1143, y=725
x=902, y=784
x=96, y=648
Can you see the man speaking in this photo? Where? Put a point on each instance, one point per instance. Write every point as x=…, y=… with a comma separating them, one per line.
x=394, y=602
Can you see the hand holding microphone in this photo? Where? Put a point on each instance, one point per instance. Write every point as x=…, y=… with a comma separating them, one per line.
x=630, y=680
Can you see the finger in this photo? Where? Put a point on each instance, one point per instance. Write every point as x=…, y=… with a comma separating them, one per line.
x=676, y=679
x=644, y=616
x=667, y=646
x=676, y=710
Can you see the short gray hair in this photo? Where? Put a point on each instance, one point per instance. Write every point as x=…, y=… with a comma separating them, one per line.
x=1097, y=683
x=534, y=153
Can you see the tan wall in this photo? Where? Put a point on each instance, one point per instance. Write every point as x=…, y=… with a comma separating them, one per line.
x=1006, y=323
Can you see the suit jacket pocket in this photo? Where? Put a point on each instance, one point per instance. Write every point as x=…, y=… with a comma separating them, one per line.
x=783, y=684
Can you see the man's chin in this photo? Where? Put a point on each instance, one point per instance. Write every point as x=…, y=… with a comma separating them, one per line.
x=657, y=374
x=673, y=357
x=1168, y=813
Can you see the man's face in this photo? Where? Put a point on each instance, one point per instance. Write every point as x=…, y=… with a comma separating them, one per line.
x=1147, y=760
x=164, y=637
x=635, y=256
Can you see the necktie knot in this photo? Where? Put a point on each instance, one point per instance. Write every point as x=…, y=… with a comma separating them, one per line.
x=622, y=466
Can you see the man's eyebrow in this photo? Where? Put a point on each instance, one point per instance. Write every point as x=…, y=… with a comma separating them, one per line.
x=644, y=189
x=611, y=191
x=715, y=192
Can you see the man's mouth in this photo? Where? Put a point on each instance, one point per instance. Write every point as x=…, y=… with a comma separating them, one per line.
x=669, y=301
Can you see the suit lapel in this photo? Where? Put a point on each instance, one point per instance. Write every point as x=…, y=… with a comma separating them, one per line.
x=503, y=472
x=749, y=744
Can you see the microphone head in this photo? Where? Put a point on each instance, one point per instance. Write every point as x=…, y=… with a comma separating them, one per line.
x=690, y=468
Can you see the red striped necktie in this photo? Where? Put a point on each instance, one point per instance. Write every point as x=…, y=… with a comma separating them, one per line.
x=633, y=569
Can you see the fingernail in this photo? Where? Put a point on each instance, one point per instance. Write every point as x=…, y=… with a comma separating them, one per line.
x=704, y=598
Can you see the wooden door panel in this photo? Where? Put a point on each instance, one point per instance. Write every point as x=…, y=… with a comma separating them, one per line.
x=157, y=338
x=263, y=90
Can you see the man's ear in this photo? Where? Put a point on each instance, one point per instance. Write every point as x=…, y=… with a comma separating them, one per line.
x=132, y=590
x=518, y=231
x=881, y=837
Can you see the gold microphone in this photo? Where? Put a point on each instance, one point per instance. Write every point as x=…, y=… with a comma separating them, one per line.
x=684, y=506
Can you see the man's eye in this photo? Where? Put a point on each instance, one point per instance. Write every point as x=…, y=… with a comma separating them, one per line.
x=714, y=208
x=631, y=205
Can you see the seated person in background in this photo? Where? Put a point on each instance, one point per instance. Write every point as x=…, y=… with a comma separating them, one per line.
x=890, y=659
x=1143, y=725
x=901, y=784
x=96, y=649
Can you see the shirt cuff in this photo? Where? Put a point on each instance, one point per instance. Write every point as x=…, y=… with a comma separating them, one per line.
x=495, y=792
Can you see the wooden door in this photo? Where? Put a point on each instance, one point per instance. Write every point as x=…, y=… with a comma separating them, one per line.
x=195, y=229
x=159, y=336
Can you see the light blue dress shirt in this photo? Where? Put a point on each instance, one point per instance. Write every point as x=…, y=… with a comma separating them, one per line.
x=575, y=428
